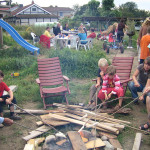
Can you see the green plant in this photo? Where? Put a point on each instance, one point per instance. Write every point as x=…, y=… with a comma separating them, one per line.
x=131, y=26
x=78, y=64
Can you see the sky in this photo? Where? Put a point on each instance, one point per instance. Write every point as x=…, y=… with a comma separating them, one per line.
x=142, y=4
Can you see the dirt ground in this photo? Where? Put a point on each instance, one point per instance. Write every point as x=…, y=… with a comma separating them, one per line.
x=11, y=137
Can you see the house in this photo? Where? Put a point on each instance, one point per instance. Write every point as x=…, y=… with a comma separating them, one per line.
x=30, y=14
x=4, y=8
x=60, y=11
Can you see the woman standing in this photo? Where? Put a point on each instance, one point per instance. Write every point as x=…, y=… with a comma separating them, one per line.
x=120, y=32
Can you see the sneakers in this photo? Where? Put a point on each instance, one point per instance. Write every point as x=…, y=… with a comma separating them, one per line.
x=15, y=117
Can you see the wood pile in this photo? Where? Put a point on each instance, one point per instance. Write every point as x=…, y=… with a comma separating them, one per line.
x=105, y=125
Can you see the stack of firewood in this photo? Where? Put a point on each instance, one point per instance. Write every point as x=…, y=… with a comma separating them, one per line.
x=105, y=125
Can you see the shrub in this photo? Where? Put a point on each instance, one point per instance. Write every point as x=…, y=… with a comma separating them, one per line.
x=78, y=64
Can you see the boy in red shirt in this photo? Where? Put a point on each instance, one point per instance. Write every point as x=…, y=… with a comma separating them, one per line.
x=7, y=99
x=92, y=35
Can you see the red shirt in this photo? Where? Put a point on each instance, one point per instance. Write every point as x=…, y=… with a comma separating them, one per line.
x=92, y=35
x=3, y=87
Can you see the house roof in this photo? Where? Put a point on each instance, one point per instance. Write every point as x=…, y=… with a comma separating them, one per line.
x=54, y=9
x=19, y=9
x=4, y=8
x=36, y=16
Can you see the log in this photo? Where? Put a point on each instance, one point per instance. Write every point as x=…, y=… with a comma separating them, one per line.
x=51, y=121
x=115, y=143
x=114, y=130
x=37, y=132
x=137, y=141
x=121, y=111
x=95, y=143
x=76, y=140
x=13, y=88
x=82, y=112
x=110, y=136
x=32, y=144
x=101, y=125
x=36, y=112
x=39, y=123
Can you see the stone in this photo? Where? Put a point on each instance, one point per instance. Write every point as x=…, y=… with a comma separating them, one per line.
x=104, y=138
x=50, y=138
x=108, y=146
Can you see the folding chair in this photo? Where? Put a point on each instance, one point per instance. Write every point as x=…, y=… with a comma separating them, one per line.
x=123, y=67
x=51, y=80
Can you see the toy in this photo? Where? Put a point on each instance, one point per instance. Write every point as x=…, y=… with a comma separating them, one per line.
x=112, y=43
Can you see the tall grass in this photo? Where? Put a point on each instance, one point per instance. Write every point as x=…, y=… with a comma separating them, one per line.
x=78, y=64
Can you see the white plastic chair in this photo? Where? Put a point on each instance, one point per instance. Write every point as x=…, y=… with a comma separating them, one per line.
x=35, y=38
x=73, y=41
x=91, y=42
x=86, y=46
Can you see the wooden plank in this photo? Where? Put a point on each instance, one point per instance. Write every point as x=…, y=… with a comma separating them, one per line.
x=95, y=143
x=35, y=133
x=88, y=125
x=110, y=136
x=115, y=143
x=76, y=140
x=36, y=112
x=12, y=88
x=137, y=141
x=122, y=111
x=51, y=121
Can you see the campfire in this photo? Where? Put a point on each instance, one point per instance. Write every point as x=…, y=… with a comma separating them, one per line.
x=96, y=130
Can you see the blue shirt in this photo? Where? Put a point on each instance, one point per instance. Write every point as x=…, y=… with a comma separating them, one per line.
x=83, y=37
x=1, y=120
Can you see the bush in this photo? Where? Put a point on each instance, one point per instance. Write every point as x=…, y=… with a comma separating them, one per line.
x=78, y=64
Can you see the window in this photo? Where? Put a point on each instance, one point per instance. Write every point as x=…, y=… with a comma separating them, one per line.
x=61, y=14
x=33, y=9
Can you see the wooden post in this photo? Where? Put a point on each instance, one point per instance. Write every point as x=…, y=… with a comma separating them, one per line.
x=137, y=142
x=1, y=37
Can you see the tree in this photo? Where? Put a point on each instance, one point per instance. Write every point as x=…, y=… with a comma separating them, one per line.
x=93, y=6
x=128, y=9
x=107, y=5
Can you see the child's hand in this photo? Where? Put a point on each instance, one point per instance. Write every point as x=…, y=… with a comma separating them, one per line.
x=141, y=97
x=97, y=85
x=1, y=100
x=137, y=84
x=8, y=101
x=106, y=97
x=109, y=95
x=102, y=74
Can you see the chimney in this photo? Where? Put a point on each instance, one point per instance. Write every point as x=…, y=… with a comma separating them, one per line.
x=32, y=1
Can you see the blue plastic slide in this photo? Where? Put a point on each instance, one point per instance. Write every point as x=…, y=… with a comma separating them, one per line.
x=15, y=35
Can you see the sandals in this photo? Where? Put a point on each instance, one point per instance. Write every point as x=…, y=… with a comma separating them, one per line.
x=142, y=126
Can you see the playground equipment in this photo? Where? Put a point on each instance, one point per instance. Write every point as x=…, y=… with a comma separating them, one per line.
x=15, y=35
x=112, y=43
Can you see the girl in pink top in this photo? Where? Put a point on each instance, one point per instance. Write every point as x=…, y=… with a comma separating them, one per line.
x=111, y=85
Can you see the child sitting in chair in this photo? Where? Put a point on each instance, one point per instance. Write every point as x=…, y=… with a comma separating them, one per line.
x=111, y=85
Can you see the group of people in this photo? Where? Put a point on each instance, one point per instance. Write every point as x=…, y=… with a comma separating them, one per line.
x=108, y=84
x=82, y=33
